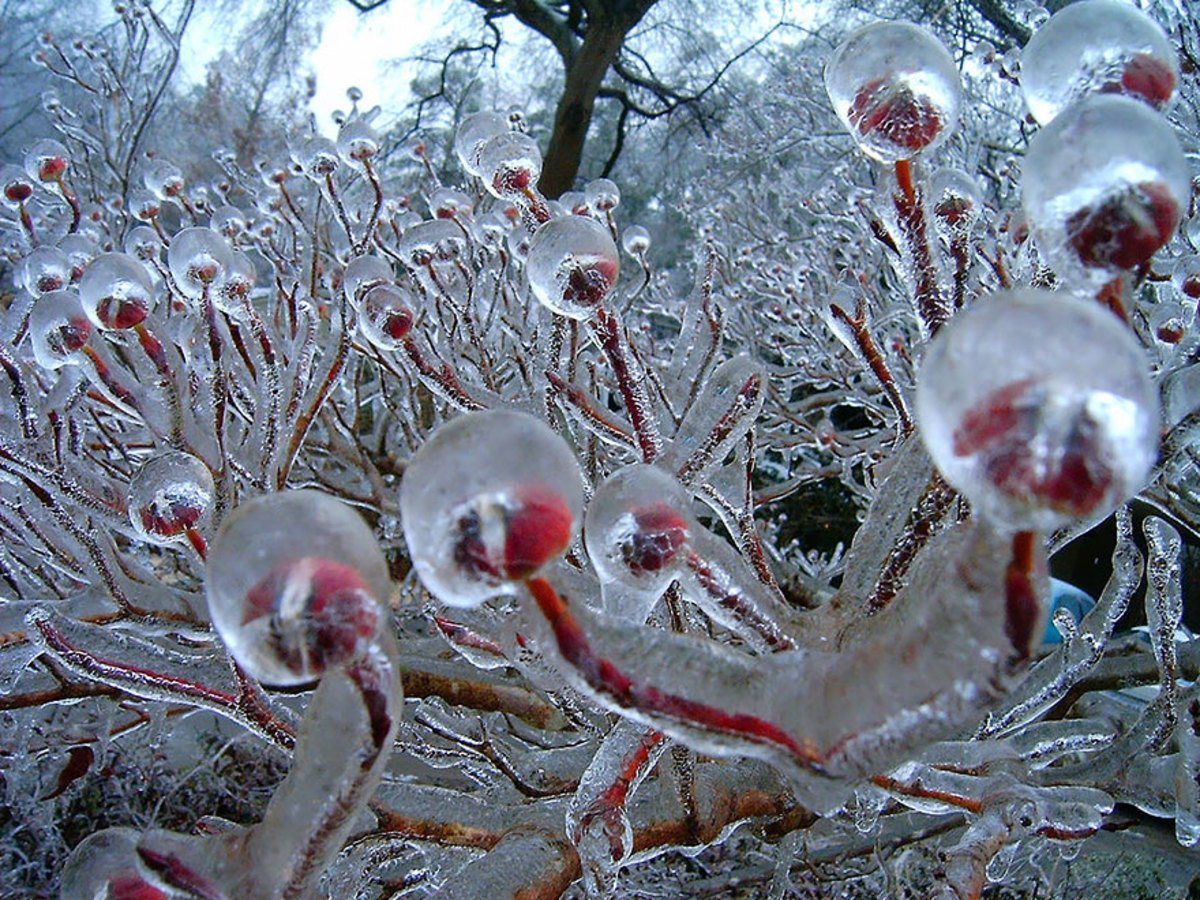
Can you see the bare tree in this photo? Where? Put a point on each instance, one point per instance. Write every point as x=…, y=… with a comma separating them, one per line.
x=596, y=42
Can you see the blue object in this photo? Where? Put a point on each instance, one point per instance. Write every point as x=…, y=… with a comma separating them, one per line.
x=1066, y=596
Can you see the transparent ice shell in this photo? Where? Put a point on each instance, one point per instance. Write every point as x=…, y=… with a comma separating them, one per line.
x=80, y=250
x=509, y=164
x=363, y=273
x=199, y=258
x=1039, y=408
x=228, y=221
x=1097, y=47
x=475, y=131
x=294, y=585
x=116, y=291
x=15, y=186
x=1104, y=186
x=171, y=494
x=637, y=528
x=46, y=160
x=45, y=269
x=895, y=88
x=163, y=179
x=435, y=239
x=386, y=316
x=955, y=199
x=487, y=501
x=357, y=142
x=572, y=265
x=636, y=240
x=58, y=329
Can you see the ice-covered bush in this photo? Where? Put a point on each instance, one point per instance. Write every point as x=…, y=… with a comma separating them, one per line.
x=460, y=459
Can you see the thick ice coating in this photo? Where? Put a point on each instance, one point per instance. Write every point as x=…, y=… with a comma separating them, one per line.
x=116, y=291
x=509, y=164
x=199, y=259
x=637, y=526
x=572, y=265
x=1040, y=408
x=1097, y=47
x=1104, y=186
x=386, y=316
x=487, y=501
x=294, y=585
x=895, y=88
x=169, y=496
x=58, y=329
x=475, y=131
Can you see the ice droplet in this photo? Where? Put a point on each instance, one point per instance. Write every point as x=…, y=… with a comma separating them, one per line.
x=572, y=265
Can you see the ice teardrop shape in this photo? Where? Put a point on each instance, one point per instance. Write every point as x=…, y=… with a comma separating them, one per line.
x=199, y=258
x=116, y=291
x=572, y=265
x=1040, y=408
x=294, y=585
x=489, y=500
x=1104, y=186
x=1097, y=47
x=895, y=88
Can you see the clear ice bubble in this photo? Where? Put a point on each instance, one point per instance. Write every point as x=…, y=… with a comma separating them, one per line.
x=295, y=582
x=448, y=203
x=602, y=194
x=428, y=242
x=363, y=273
x=1040, y=408
x=955, y=198
x=199, y=259
x=143, y=205
x=231, y=294
x=144, y=243
x=1104, y=186
x=15, y=186
x=105, y=865
x=1187, y=276
x=58, y=329
x=572, y=265
x=637, y=528
x=357, y=142
x=386, y=316
x=80, y=250
x=475, y=131
x=170, y=496
x=1097, y=47
x=163, y=179
x=45, y=269
x=636, y=240
x=227, y=221
x=318, y=158
x=487, y=501
x=116, y=291
x=46, y=160
x=509, y=164
x=895, y=88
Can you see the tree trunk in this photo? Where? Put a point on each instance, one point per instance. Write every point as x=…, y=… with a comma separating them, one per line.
x=574, y=113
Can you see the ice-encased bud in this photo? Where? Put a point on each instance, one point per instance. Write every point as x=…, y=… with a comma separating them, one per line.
x=475, y=131
x=294, y=585
x=637, y=527
x=363, y=273
x=171, y=494
x=80, y=250
x=447, y=203
x=227, y=221
x=15, y=186
x=46, y=160
x=572, y=265
x=105, y=865
x=385, y=317
x=1097, y=47
x=58, y=329
x=636, y=240
x=231, y=294
x=426, y=242
x=143, y=205
x=163, y=179
x=1039, y=408
x=487, y=501
x=895, y=88
x=144, y=243
x=602, y=194
x=116, y=291
x=318, y=158
x=955, y=199
x=509, y=164
x=357, y=142
x=198, y=258
x=45, y=269
x=1104, y=186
